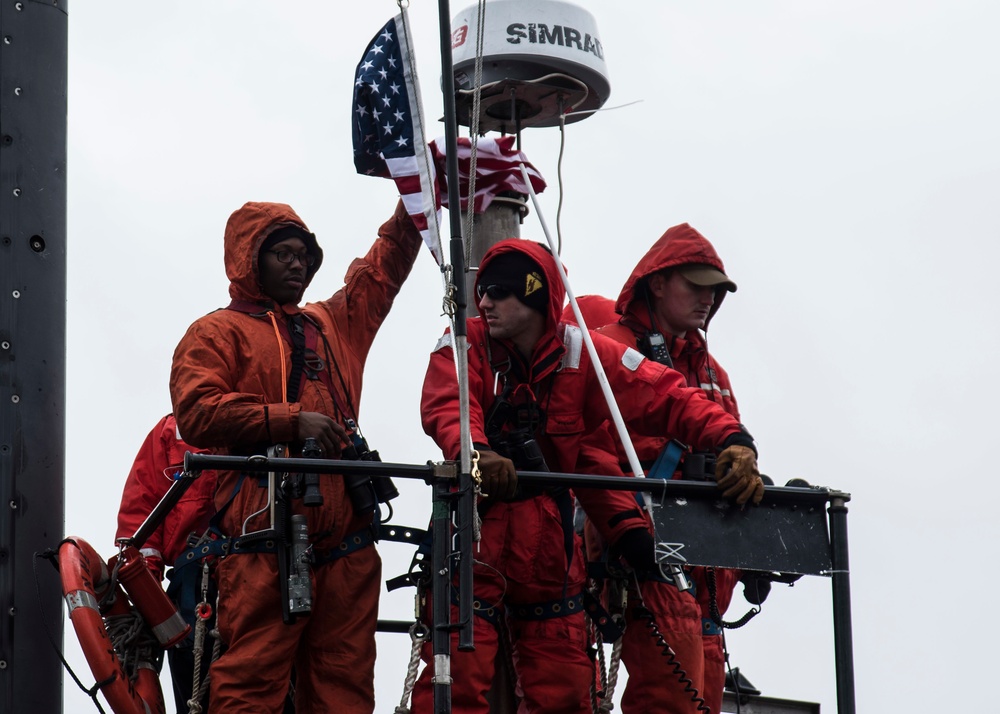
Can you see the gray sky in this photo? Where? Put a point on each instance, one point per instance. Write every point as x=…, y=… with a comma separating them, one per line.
x=840, y=155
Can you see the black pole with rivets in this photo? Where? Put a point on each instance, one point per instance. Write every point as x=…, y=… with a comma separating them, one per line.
x=33, y=74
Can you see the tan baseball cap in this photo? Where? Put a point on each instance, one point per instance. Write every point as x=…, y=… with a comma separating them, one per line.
x=706, y=275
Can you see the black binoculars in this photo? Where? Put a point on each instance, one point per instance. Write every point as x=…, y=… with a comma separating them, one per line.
x=520, y=447
x=365, y=492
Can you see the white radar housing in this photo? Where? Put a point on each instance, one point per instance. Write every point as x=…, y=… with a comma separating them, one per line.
x=540, y=58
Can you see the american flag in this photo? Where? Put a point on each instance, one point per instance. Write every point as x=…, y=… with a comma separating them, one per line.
x=497, y=170
x=388, y=138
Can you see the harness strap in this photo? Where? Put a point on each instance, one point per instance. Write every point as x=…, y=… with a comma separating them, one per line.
x=223, y=545
x=668, y=461
x=665, y=465
x=605, y=624
x=482, y=608
x=303, y=337
x=547, y=610
x=297, y=333
x=351, y=544
x=708, y=627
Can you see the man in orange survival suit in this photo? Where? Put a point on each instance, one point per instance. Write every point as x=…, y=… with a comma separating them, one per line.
x=665, y=307
x=530, y=380
x=261, y=372
x=159, y=461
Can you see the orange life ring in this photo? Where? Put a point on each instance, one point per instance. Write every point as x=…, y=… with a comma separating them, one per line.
x=85, y=580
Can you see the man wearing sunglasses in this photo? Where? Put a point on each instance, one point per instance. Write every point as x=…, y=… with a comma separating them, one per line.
x=263, y=372
x=534, y=396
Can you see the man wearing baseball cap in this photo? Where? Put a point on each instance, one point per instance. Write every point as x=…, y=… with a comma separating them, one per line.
x=666, y=305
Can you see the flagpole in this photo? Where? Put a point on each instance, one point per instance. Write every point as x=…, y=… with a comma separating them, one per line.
x=441, y=638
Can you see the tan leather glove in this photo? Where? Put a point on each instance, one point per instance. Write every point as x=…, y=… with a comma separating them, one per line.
x=498, y=474
x=737, y=475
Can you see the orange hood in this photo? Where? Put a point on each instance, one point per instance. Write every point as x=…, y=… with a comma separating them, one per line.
x=246, y=230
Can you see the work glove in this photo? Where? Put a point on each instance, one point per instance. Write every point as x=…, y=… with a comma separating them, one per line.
x=499, y=477
x=636, y=546
x=737, y=475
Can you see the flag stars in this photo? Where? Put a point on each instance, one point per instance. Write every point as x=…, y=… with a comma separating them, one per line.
x=381, y=116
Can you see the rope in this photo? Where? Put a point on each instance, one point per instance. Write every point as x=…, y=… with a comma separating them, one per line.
x=477, y=93
x=203, y=614
x=602, y=672
x=616, y=649
x=609, y=692
x=559, y=175
x=418, y=636
x=134, y=642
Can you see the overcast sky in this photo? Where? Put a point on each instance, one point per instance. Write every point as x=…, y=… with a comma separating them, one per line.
x=842, y=157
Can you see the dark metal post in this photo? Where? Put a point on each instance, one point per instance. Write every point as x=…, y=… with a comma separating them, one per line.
x=441, y=637
x=33, y=52
x=842, y=638
x=441, y=597
x=465, y=502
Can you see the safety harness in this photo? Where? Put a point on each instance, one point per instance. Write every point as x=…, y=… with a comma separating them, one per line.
x=511, y=423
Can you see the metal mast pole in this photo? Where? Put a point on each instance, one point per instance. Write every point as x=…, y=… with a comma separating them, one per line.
x=33, y=72
x=441, y=636
x=843, y=642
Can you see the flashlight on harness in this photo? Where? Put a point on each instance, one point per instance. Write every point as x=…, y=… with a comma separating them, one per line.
x=299, y=585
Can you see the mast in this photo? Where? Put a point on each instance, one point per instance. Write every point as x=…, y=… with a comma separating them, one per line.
x=33, y=76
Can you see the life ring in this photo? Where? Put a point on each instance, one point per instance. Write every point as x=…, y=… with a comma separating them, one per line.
x=85, y=581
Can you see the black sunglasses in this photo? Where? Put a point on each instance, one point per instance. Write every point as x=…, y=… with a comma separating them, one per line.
x=494, y=292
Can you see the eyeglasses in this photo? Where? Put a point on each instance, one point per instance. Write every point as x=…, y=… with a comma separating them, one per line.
x=494, y=292
x=287, y=256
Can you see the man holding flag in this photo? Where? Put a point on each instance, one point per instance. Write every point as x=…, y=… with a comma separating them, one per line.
x=262, y=372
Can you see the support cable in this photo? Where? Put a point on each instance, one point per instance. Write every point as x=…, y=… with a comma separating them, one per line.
x=670, y=571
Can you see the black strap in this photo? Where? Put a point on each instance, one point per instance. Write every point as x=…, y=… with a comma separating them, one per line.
x=297, y=333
